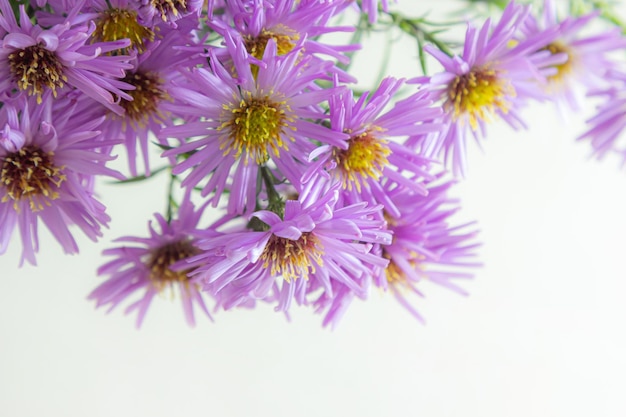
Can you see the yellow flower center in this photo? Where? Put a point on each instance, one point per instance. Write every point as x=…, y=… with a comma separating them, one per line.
x=115, y=24
x=562, y=70
x=478, y=94
x=366, y=157
x=284, y=37
x=30, y=173
x=395, y=275
x=147, y=95
x=292, y=259
x=255, y=127
x=165, y=256
x=169, y=6
x=35, y=68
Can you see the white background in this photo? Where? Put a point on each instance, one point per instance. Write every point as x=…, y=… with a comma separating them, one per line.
x=542, y=333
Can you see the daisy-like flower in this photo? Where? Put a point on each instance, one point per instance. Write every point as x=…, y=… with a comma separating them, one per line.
x=372, y=151
x=41, y=61
x=48, y=157
x=146, y=265
x=248, y=122
x=425, y=247
x=587, y=55
x=491, y=79
x=315, y=244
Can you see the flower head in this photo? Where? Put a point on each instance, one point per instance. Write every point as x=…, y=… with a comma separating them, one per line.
x=247, y=122
x=147, y=265
x=48, y=157
x=373, y=149
x=39, y=61
x=491, y=79
x=315, y=244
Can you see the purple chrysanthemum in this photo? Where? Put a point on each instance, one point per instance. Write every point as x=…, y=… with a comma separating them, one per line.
x=41, y=61
x=491, y=79
x=315, y=244
x=246, y=122
x=48, y=157
x=373, y=151
x=146, y=265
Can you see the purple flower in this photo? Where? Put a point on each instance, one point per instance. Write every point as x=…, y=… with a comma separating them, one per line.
x=491, y=79
x=146, y=265
x=315, y=244
x=425, y=246
x=246, y=122
x=48, y=157
x=587, y=55
x=41, y=61
x=373, y=151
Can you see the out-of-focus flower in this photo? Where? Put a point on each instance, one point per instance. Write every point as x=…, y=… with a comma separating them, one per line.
x=608, y=125
x=146, y=265
x=587, y=55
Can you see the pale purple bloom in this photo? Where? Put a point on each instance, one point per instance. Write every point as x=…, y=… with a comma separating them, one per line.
x=316, y=244
x=246, y=122
x=587, y=55
x=491, y=79
x=373, y=149
x=41, y=61
x=48, y=157
x=145, y=266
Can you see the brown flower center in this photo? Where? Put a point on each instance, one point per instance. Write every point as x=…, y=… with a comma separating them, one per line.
x=165, y=256
x=147, y=95
x=30, y=173
x=35, y=68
